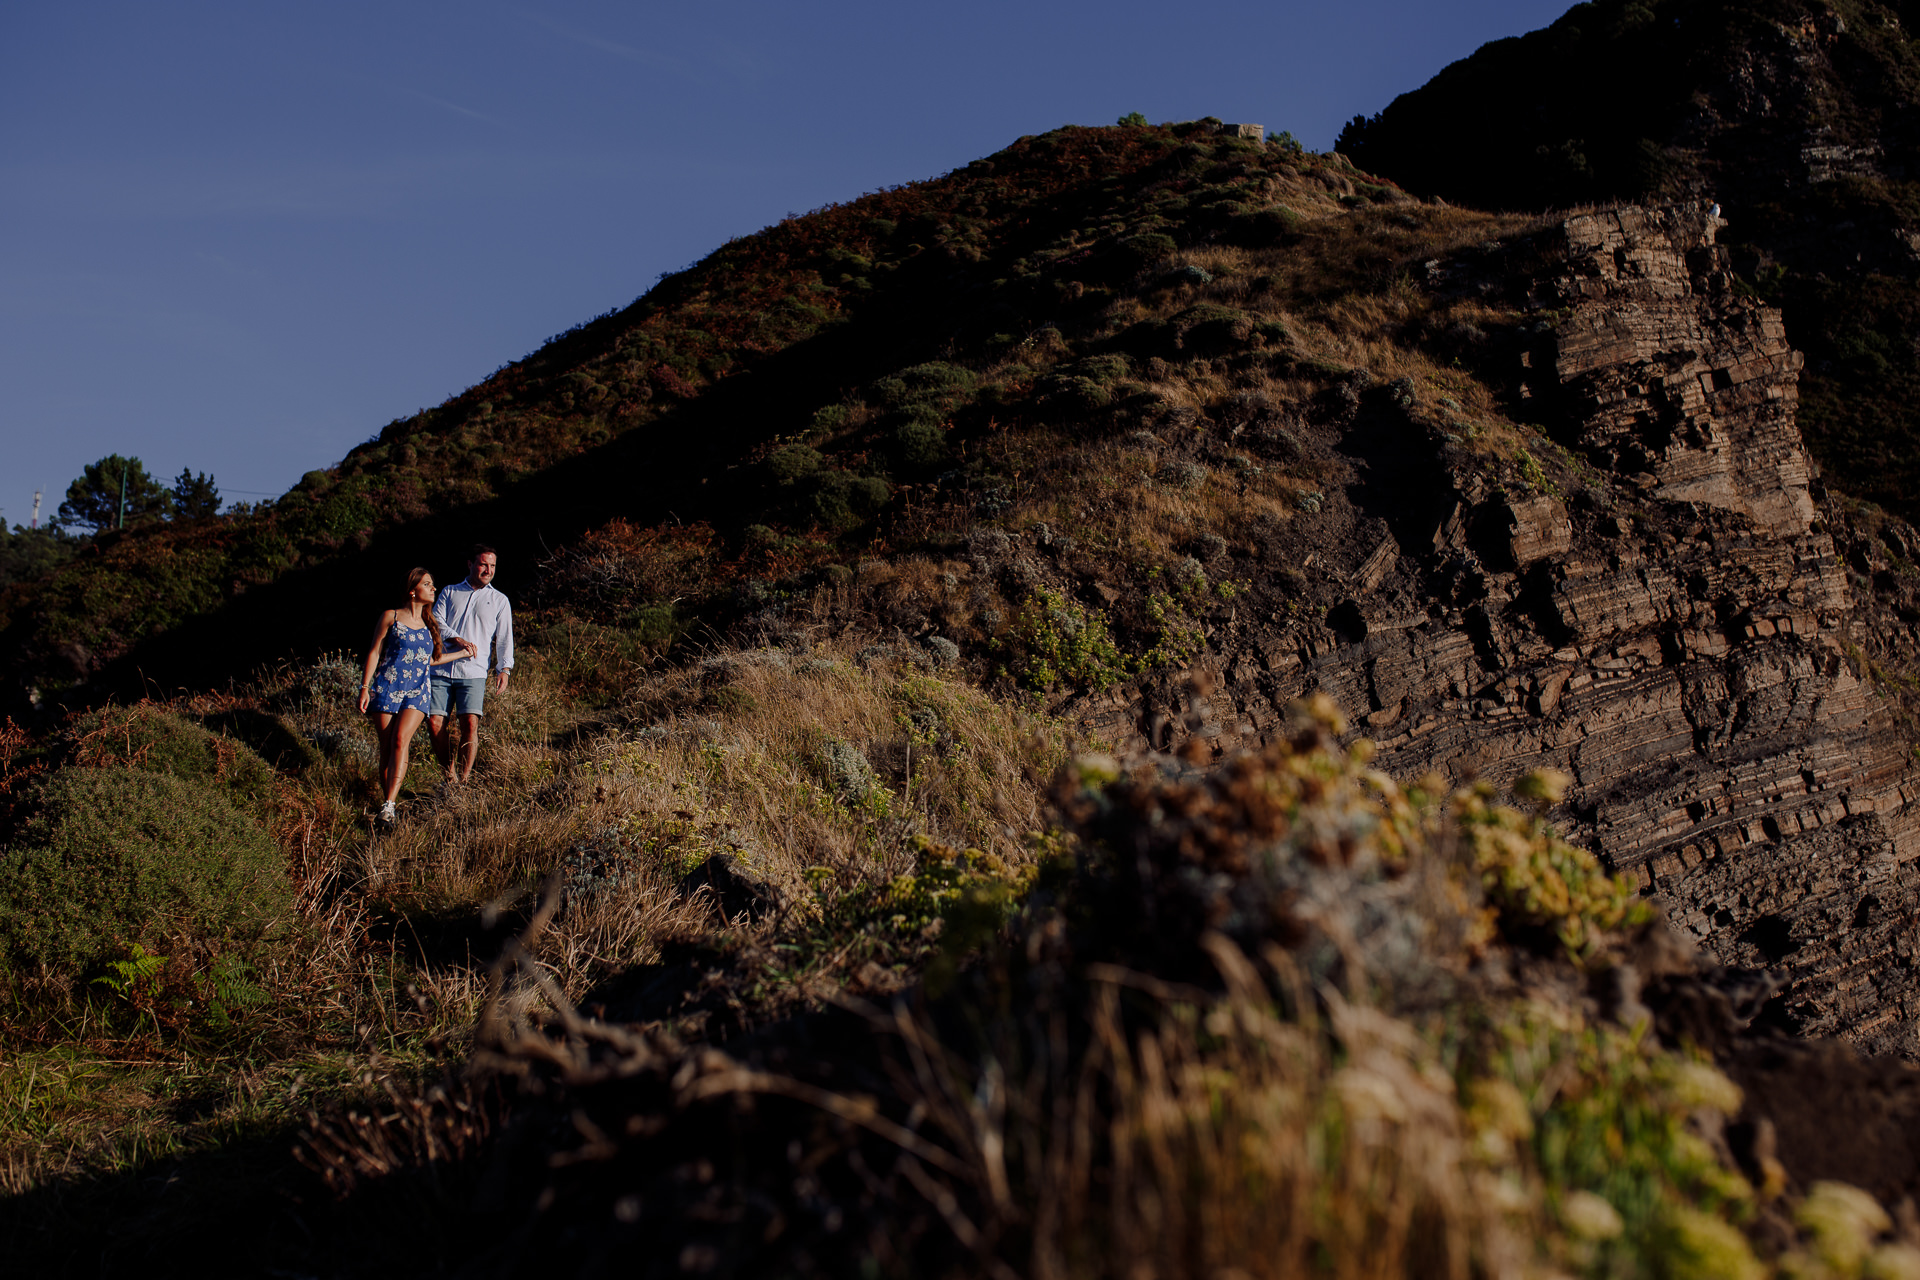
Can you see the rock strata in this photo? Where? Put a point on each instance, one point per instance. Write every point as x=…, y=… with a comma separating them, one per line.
x=1671, y=626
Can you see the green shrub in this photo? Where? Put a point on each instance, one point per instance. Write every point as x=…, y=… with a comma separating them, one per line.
x=1085, y=384
x=1182, y=475
x=1256, y=227
x=836, y=499
x=272, y=737
x=1536, y=879
x=1059, y=641
x=831, y=419
x=928, y=415
x=155, y=740
x=922, y=445
x=656, y=625
x=1205, y=329
x=117, y=857
x=598, y=664
x=731, y=699
x=867, y=494
x=930, y=383
x=791, y=463
x=1073, y=392
x=1532, y=475
x=1109, y=367
x=1146, y=249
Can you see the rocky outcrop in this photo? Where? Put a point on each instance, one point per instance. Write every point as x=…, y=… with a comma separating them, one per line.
x=1670, y=625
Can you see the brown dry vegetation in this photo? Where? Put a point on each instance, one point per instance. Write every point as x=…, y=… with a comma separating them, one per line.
x=1304, y=1097
x=724, y=756
x=1341, y=291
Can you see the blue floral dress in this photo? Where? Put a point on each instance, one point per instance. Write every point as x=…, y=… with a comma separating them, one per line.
x=400, y=681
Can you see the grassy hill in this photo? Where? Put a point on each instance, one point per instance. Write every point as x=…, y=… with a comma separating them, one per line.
x=874, y=376
x=988, y=278
x=1798, y=117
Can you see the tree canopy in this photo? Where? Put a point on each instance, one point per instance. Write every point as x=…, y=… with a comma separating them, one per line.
x=195, y=496
x=93, y=500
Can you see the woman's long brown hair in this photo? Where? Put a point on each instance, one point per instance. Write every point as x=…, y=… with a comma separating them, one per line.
x=433, y=623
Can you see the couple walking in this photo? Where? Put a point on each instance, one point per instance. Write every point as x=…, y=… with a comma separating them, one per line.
x=429, y=660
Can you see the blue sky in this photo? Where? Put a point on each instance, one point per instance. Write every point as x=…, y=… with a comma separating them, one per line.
x=242, y=237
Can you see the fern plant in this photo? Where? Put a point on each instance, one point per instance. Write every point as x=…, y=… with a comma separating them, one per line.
x=135, y=977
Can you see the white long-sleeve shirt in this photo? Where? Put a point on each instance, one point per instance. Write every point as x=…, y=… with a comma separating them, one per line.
x=481, y=615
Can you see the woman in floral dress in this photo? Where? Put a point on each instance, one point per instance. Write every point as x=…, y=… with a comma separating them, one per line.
x=405, y=645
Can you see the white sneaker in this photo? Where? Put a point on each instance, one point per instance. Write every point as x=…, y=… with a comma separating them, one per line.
x=388, y=817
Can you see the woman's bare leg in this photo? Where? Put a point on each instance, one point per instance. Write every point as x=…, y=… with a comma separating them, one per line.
x=381, y=720
x=404, y=726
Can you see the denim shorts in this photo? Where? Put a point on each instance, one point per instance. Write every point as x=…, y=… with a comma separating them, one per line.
x=467, y=696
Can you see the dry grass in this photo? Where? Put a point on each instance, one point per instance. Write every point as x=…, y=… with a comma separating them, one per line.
x=1055, y=1115
x=1223, y=1137
x=728, y=755
x=1348, y=289
x=91, y=1096
x=817, y=772
x=734, y=754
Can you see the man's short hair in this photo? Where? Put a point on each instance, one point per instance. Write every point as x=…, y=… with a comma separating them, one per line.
x=481, y=549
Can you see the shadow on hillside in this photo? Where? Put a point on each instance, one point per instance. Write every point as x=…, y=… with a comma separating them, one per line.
x=467, y=938
x=1401, y=475
x=270, y=737
x=245, y=1208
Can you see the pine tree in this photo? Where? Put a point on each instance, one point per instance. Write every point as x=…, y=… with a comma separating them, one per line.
x=93, y=500
x=195, y=496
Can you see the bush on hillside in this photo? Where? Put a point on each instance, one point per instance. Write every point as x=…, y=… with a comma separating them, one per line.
x=921, y=446
x=598, y=664
x=1256, y=227
x=810, y=490
x=1084, y=385
x=121, y=856
x=811, y=493
x=149, y=738
x=790, y=464
x=930, y=383
x=1137, y=252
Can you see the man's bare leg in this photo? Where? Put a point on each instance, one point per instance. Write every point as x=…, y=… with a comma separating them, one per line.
x=441, y=730
x=470, y=748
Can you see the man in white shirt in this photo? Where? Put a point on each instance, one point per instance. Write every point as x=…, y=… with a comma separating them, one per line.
x=471, y=610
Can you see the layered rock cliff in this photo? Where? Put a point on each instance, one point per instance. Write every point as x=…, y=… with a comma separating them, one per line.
x=1797, y=115
x=1672, y=626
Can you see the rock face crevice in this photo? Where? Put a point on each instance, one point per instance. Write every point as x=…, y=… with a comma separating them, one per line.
x=1675, y=634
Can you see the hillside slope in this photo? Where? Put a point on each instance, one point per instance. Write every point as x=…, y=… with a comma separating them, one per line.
x=643, y=412
x=1514, y=492
x=1797, y=116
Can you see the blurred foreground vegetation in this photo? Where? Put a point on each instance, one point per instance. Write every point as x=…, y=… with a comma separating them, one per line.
x=984, y=1007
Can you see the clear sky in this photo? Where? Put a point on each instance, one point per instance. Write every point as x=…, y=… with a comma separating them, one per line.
x=242, y=237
